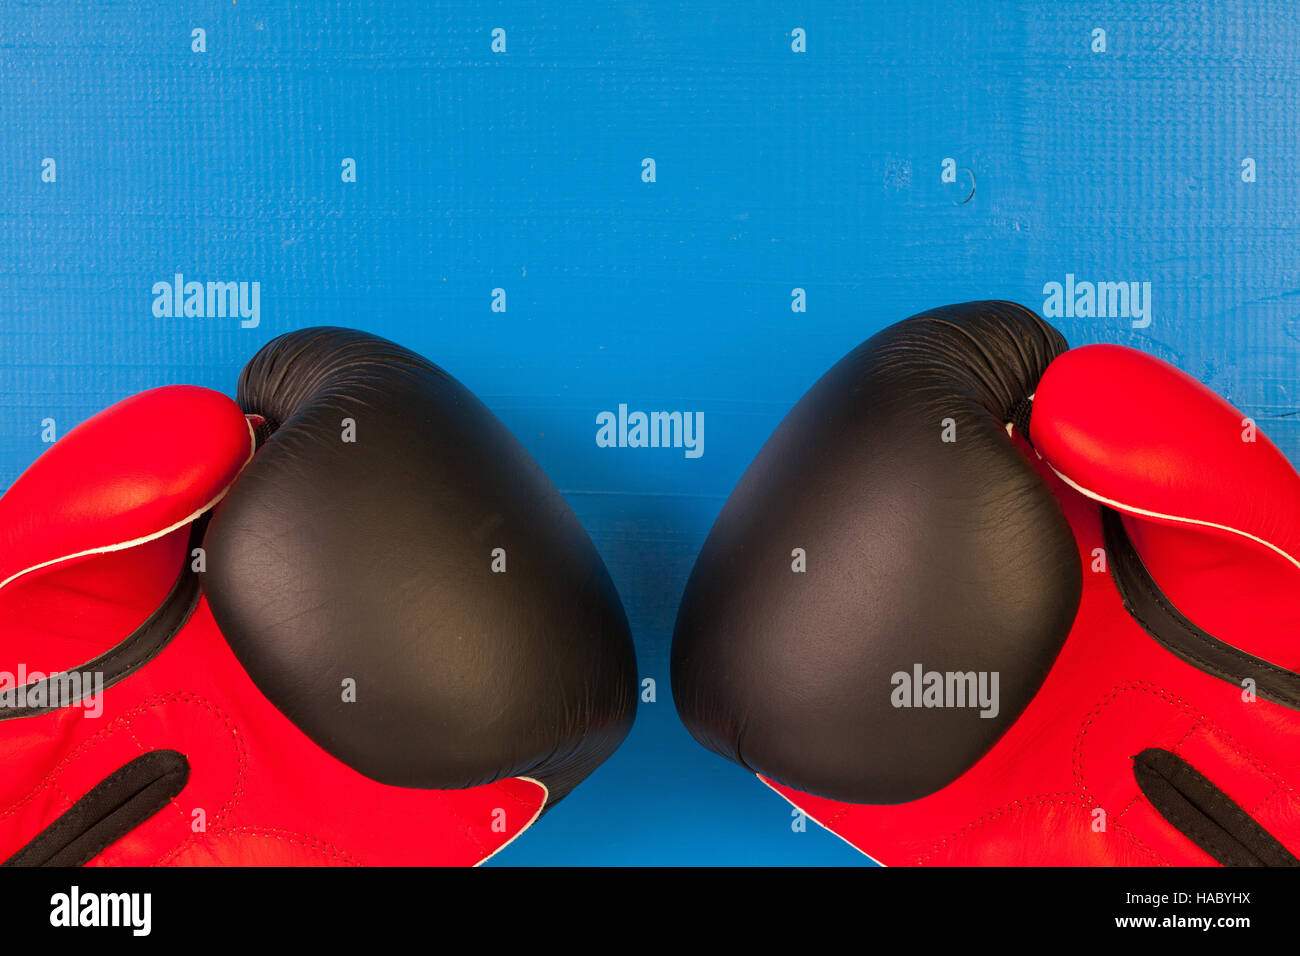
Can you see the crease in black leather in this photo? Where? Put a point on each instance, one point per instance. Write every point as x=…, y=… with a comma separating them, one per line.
x=952, y=555
x=130, y=654
x=1149, y=606
x=111, y=809
x=1204, y=814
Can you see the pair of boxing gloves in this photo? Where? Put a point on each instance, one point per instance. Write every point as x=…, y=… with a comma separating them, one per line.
x=980, y=599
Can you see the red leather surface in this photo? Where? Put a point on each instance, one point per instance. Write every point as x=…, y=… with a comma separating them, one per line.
x=270, y=796
x=1163, y=448
x=1135, y=430
x=264, y=793
x=145, y=465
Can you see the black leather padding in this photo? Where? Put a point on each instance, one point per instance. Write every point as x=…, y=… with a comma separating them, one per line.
x=952, y=555
x=371, y=561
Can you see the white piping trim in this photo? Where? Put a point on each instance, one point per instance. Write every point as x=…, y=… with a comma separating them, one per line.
x=136, y=542
x=1146, y=513
x=818, y=822
x=546, y=795
x=1178, y=519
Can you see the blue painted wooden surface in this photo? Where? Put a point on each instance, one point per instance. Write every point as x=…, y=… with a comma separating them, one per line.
x=522, y=170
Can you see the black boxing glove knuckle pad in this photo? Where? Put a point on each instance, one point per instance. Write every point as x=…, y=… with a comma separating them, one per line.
x=359, y=550
x=948, y=554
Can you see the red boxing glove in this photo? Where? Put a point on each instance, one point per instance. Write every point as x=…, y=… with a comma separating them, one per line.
x=326, y=672
x=1048, y=615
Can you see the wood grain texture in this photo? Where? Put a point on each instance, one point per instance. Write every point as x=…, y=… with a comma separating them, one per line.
x=522, y=170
